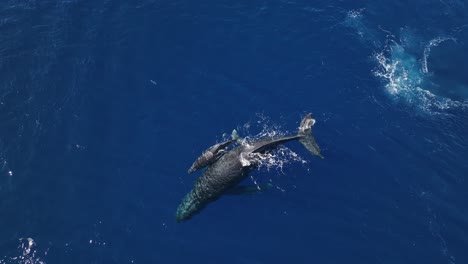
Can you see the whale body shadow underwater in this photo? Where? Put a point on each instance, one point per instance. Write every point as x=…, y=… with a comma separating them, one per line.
x=225, y=169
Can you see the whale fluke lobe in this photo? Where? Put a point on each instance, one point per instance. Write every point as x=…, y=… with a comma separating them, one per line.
x=306, y=138
x=227, y=168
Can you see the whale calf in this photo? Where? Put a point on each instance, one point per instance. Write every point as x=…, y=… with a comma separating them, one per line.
x=212, y=154
x=225, y=169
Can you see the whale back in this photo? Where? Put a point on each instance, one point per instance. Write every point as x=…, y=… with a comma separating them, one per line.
x=220, y=176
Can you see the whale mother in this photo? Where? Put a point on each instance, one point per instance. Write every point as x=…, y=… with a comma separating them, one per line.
x=225, y=172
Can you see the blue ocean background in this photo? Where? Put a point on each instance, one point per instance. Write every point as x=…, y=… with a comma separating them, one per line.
x=105, y=104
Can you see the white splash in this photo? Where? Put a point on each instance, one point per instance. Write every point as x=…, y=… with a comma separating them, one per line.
x=271, y=160
x=404, y=78
x=245, y=159
x=398, y=69
x=276, y=159
x=27, y=253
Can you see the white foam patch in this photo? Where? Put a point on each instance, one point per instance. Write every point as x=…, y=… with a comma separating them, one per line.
x=27, y=254
x=397, y=70
x=276, y=159
x=245, y=159
x=404, y=78
x=404, y=75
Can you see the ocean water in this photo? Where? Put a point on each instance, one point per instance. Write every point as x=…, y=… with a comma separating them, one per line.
x=105, y=104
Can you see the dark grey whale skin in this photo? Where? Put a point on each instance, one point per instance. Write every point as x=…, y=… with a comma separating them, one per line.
x=219, y=177
x=222, y=175
x=228, y=170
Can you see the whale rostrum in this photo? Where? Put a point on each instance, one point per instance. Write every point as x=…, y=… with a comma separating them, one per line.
x=225, y=169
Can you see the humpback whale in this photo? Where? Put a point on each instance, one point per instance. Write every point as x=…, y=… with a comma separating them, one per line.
x=225, y=169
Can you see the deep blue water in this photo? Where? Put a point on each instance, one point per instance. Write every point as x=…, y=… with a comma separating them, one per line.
x=105, y=104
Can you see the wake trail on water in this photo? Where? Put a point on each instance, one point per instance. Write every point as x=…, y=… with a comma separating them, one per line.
x=427, y=51
x=402, y=65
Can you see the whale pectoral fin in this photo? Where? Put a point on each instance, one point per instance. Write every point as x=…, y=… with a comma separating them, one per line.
x=248, y=189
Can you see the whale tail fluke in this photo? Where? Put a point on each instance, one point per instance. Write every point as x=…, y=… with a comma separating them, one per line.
x=305, y=135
